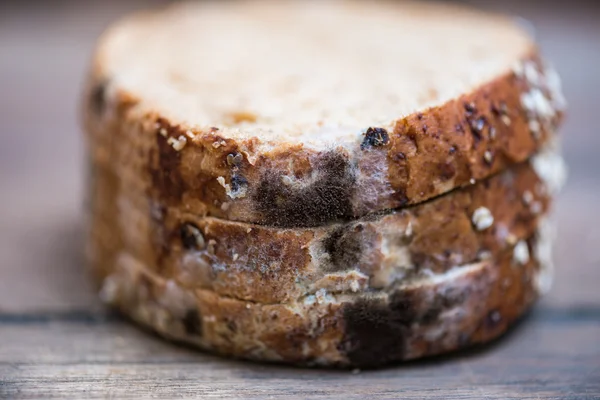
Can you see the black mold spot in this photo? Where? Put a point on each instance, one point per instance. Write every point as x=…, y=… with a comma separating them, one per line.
x=98, y=98
x=327, y=199
x=238, y=183
x=432, y=314
x=192, y=322
x=375, y=331
x=375, y=137
x=470, y=109
x=419, y=259
x=405, y=306
x=345, y=247
x=401, y=197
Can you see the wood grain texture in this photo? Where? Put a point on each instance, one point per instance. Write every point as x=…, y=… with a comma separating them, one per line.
x=61, y=353
x=57, y=342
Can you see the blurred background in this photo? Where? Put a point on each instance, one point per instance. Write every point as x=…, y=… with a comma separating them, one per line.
x=52, y=331
x=44, y=50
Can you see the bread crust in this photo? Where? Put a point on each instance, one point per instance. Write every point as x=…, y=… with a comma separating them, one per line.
x=353, y=235
x=287, y=184
x=272, y=265
x=445, y=312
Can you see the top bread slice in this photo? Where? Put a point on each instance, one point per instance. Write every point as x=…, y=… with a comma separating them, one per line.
x=302, y=113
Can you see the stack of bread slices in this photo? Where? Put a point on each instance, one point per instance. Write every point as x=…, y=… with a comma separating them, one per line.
x=322, y=182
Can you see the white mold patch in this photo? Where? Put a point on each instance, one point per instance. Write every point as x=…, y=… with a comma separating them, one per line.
x=551, y=169
x=542, y=251
x=521, y=253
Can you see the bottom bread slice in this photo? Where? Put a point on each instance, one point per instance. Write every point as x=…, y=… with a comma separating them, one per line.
x=463, y=306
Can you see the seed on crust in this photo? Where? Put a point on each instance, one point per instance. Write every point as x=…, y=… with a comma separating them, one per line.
x=190, y=134
x=211, y=246
x=177, y=143
x=482, y=218
x=488, y=157
x=234, y=159
x=511, y=239
x=191, y=236
x=375, y=137
x=534, y=127
x=478, y=124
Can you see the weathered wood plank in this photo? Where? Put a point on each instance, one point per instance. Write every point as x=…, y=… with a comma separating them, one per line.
x=553, y=354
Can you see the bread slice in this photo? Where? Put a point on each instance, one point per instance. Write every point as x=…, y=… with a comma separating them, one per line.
x=298, y=114
x=444, y=312
x=271, y=265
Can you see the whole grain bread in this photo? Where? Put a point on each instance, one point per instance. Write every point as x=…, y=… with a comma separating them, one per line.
x=419, y=317
x=298, y=114
x=272, y=265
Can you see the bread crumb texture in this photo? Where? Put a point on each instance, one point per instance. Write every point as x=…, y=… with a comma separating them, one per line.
x=305, y=69
x=288, y=114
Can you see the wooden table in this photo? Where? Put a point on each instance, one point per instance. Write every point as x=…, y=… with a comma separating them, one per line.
x=57, y=341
